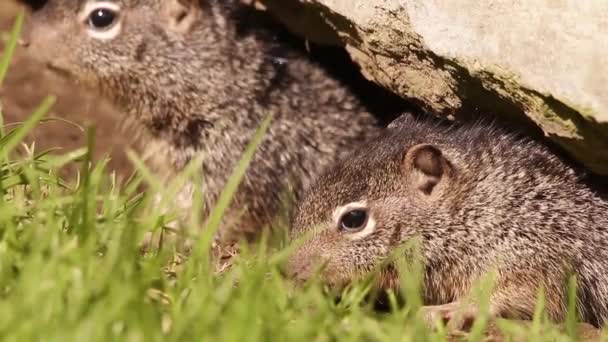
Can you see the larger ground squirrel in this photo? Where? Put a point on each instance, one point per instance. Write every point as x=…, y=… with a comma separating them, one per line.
x=480, y=200
x=199, y=77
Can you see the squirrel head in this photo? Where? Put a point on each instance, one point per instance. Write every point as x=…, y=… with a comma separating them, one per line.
x=170, y=65
x=100, y=42
x=368, y=205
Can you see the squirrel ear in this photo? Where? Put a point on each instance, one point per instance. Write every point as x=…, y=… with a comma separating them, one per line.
x=425, y=167
x=182, y=15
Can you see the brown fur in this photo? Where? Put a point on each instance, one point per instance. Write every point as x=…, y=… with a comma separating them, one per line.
x=480, y=200
x=199, y=77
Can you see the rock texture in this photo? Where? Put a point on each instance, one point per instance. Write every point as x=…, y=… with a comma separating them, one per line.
x=540, y=62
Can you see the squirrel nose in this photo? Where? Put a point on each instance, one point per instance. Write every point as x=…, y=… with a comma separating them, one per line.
x=296, y=271
x=24, y=43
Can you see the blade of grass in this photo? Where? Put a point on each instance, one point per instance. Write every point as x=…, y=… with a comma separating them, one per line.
x=6, y=58
x=539, y=312
x=56, y=162
x=484, y=297
x=10, y=46
x=144, y=172
x=10, y=141
x=572, y=313
x=87, y=208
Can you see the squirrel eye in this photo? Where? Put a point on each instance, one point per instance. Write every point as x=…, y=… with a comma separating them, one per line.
x=353, y=220
x=102, y=18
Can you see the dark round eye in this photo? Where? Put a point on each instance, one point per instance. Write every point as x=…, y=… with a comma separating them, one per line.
x=353, y=220
x=102, y=18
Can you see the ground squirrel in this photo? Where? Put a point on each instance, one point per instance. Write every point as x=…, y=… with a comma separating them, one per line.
x=199, y=77
x=479, y=199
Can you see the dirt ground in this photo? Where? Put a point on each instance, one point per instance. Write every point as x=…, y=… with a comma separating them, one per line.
x=28, y=83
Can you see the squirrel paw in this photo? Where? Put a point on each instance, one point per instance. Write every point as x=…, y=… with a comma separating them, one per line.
x=455, y=316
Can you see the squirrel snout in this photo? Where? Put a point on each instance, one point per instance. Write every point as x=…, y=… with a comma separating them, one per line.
x=297, y=268
x=298, y=275
x=23, y=42
x=303, y=265
x=292, y=270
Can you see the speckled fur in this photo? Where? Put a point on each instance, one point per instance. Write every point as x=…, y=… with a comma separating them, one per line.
x=508, y=205
x=205, y=91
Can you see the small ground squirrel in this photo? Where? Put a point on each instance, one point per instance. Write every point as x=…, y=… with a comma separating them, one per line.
x=479, y=199
x=199, y=77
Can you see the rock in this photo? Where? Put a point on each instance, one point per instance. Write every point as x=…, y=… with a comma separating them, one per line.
x=538, y=63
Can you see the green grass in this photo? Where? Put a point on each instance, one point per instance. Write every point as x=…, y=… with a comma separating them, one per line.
x=70, y=268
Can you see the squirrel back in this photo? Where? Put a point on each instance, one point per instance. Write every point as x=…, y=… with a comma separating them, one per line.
x=479, y=200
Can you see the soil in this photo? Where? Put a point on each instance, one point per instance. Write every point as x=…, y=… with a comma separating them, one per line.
x=28, y=83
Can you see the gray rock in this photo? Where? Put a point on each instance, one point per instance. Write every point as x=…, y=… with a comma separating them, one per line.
x=540, y=62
